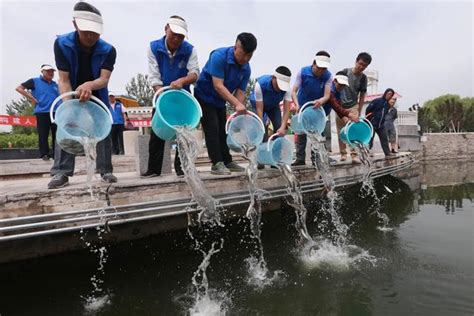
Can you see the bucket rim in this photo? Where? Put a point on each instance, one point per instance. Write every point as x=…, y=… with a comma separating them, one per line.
x=182, y=91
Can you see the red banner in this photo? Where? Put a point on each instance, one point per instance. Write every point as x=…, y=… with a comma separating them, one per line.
x=141, y=123
x=18, y=120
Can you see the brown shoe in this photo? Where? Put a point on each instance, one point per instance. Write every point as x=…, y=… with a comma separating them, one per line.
x=355, y=160
x=344, y=157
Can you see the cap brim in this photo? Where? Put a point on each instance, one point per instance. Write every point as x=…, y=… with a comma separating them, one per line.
x=88, y=25
x=178, y=29
x=48, y=68
x=283, y=85
x=344, y=82
x=322, y=64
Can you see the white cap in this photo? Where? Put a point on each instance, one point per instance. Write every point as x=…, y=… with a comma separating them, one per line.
x=88, y=21
x=322, y=61
x=283, y=81
x=178, y=26
x=111, y=94
x=341, y=79
x=47, y=67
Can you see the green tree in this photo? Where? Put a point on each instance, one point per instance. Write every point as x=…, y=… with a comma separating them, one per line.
x=140, y=89
x=19, y=108
x=447, y=113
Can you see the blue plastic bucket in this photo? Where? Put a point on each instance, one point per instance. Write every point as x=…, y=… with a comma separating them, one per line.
x=309, y=120
x=245, y=129
x=275, y=151
x=80, y=121
x=174, y=108
x=357, y=133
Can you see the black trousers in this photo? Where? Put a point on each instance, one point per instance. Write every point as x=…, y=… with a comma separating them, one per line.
x=43, y=126
x=156, y=150
x=117, y=139
x=383, y=139
x=213, y=124
x=64, y=162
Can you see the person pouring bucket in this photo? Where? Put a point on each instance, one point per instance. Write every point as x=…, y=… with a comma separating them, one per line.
x=87, y=78
x=265, y=98
x=172, y=62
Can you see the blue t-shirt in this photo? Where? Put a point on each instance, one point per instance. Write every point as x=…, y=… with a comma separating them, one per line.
x=221, y=64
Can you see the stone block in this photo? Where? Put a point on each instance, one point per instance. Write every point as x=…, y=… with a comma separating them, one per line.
x=129, y=140
x=141, y=155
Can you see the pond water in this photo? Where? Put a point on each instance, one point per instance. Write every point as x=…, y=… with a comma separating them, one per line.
x=424, y=265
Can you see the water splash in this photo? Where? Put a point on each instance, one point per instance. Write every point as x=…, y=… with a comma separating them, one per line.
x=207, y=301
x=368, y=189
x=328, y=256
x=259, y=275
x=90, y=152
x=188, y=152
x=339, y=235
x=98, y=298
x=293, y=187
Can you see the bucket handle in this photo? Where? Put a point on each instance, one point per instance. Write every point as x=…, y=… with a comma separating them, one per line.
x=269, y=139
x=159, y=91
x=302, y=108
x=231, y=117
x=70, y=93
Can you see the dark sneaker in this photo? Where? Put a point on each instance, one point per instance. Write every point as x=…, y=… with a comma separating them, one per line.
x=58, y=181
x=108, y=178
x=220, y=169
x=298, y=163
x=45, y=157
x=234, y=167
x=180, y=172
x=260, y=166
x=149, y=174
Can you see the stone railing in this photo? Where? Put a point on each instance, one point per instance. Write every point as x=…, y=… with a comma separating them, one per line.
x=407, y=118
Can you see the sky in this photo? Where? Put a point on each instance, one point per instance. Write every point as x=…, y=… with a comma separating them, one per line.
x=421, y=49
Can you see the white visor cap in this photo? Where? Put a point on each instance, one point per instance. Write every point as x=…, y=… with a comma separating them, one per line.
x=178, y=26
x=322, y=61
x=283, y=81
x=88, y=21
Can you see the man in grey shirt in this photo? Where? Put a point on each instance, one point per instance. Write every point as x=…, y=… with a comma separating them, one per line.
x=352, y=97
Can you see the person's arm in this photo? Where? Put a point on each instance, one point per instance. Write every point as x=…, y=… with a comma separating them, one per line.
x=286, y=115
x=361, y=101
x=294, y=91
x=225, y=94
x=362, y=93
x=327, y=93
x=64, y=83
x=154, y=74
x=84, y=91
x=369, y=109
x=344, y=114
x=257, y=90
x=193, y=72
x=124, y=115
x=21, y=89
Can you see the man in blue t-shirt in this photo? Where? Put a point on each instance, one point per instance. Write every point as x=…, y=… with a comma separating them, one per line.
x=85, y=63
x=313, y=83
x=173, y=62
x=42, y=92
x=224, y=79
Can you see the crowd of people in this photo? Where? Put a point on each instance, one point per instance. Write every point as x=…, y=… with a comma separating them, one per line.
x=85, y=63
